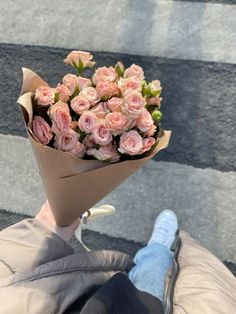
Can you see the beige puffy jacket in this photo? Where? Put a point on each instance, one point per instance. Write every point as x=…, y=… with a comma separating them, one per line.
x=39, y=273
x=199, y=283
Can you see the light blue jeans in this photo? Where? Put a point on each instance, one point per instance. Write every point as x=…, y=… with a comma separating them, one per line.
x=151, y=266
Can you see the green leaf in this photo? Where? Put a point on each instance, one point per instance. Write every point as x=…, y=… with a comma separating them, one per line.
x=79, y=67
x=56, y=98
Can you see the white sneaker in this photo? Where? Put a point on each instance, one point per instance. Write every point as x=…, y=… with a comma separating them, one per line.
x=165, y=228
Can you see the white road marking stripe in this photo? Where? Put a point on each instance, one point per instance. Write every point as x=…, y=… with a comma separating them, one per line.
x=172, y=29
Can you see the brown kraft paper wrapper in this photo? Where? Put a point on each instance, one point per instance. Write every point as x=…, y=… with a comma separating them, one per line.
x=74, y=185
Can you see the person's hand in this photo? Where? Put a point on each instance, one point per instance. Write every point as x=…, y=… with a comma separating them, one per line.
x=46, y=217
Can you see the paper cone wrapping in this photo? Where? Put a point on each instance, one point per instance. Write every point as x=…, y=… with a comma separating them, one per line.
x=74, y=185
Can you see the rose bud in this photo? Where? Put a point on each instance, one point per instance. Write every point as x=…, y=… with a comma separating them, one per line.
x=66, y=141
x=79, y=60
x=134, y=70
x=87, y=122
x=147, y=144
x=80, y=104
x=100, y=110
x=83, y=82
x=119, y=68
x=151, y=131
x=45, y=95
x=70, y=81
x=107, y=90
x=62, y=92
x=117, y=122
x=101, y=134
x=156, y=115
x=131, y=83
x=107, y=74
x=133, y=104
x=91, y=94
x=42, y=130
x=131, y=143
x=114, y=104
x=144, y=121
x=153, y=89
x=60, y=116
x=156, y=101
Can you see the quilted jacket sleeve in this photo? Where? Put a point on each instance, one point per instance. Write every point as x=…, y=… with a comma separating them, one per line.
x=29, y=244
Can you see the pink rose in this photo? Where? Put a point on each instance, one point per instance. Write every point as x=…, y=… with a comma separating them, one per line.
x=79, y=150
x=115, y=103
x=42, y=130
x=107, y=90
x=117, y=122
x=91, y=94
x=131, y=143
x=130, y=83
x=100, y=110
x=104, y=153
x=70, y=81
x=111, y=151
x=87, y=122
x=134, y=70
x=63, y=92
x=60, y=116
x=154, y=101
x=67, y=141
x=132, y=123
x=144, y=121
x=147, y=144
x=80, y=104
x=88, y=141
x=45, y=95
x=134, y=104
x=104, y=74
x=75, y=57
x=151, y=131
x=101, y=134
x=83, y=82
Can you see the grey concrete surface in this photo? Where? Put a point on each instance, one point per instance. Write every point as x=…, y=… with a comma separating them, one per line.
x=172, y=29
x=198, y=105
x=204, y=199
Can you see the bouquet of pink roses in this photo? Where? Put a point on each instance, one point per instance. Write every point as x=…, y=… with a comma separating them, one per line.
x=112, y=116
x=89, y=134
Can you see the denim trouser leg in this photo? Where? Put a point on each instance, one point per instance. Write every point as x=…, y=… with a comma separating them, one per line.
x=152, y=263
